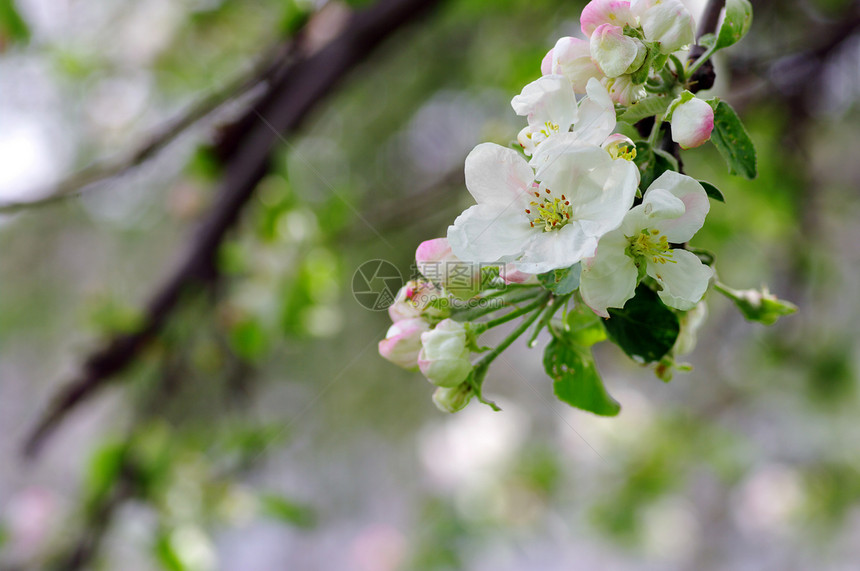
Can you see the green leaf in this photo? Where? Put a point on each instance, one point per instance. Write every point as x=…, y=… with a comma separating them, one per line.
x=287, y=511
x=713, y=191
x=583, y=327
x=563, y=281
x=645, y=329
x=12, y=25
x=732, y=140
x=576, y=380
x=627, y=130
x=736, y=23
x=648, y=107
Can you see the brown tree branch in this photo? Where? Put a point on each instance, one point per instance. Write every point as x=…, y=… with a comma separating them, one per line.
x=302, y=87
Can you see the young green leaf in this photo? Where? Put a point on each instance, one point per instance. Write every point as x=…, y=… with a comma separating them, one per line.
x=583, y=327
x=576, y=380
x=645, y=329
x=712, y=191
x=732, y=140
x=736, y=23
x=648, y=107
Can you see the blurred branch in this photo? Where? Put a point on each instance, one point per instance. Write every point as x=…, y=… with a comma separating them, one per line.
x=263, y=72
x=246, y=153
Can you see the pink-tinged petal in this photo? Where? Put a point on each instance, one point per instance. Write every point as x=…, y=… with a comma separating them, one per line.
x=512, y=275
x=696, y=206
x=683, y=277
x=609, y=278
x=572, y=59
x=599, y=12
x=402, y=342
x=622, y=90
x=546, y=63
x=435, y=250
x=498, y=176
x=692, y=123
x=615, y=53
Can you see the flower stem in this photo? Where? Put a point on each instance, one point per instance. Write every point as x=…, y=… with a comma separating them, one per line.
x=655, y=131
x=483, y=365
x=700, y=62
x=514, y=314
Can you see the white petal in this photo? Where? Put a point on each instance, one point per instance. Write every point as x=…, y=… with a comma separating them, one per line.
x=596, y=114
x=606, y=210
x=684, y=282
x=609, y=278
x=548, y=99
x=556, y=249
x=498, y=175
x=696, y=205
x=485, y=233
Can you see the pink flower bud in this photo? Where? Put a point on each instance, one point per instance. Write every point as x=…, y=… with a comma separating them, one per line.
x=665, y=21
x=402, y=343
x=419, y=299
x=444, y=356
x=599, y=12
x=692, y=123
x=437, y=263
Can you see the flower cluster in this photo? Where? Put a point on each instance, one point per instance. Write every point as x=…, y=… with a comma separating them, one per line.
x=589, y=216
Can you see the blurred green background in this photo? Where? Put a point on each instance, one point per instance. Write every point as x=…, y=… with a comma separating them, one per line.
x=262, y=430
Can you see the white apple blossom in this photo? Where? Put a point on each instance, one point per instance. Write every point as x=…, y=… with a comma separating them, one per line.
x=553, y=224
x=551, y=109
x=672, y=211
x=444, y=356
x=402, y=342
